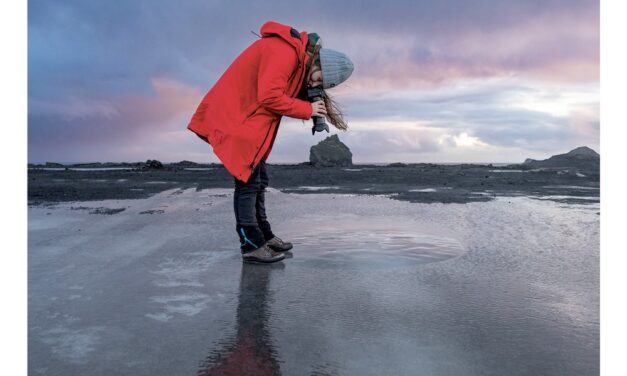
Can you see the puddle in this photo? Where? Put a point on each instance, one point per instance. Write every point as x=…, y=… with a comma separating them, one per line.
x=485, y=288
x=310, y=188
x=357, y=242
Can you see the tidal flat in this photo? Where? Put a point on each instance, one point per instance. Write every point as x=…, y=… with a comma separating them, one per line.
x=498, y=278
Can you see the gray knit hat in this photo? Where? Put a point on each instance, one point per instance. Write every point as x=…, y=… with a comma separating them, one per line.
x=336, y=67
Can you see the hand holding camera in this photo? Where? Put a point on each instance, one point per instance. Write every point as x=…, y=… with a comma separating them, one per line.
x=319, y=108
x=315, y=96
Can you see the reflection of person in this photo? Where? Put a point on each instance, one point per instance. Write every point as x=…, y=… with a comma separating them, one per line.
x=251, y=352
x=241, y=113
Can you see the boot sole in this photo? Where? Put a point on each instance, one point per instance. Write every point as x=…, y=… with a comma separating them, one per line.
x=250, y=260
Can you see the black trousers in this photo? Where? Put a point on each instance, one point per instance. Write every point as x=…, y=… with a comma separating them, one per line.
x=249, y=204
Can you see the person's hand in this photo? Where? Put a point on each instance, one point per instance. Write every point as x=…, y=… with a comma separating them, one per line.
x=318, y=108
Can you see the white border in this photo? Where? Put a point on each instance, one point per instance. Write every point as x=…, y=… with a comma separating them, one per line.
x=13, y=75
x=613, y=216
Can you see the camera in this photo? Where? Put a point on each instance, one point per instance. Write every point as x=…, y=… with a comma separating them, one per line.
x=315, y=94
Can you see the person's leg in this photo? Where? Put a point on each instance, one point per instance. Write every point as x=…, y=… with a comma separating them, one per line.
x=273, y=241
x=244, y=202
x=260, y=205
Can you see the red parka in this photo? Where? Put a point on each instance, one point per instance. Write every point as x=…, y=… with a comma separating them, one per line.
x=240, y=115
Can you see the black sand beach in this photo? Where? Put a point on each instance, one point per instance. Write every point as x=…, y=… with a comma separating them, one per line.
x=424, y=183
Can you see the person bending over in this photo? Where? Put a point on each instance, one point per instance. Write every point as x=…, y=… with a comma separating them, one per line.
x=240, y=116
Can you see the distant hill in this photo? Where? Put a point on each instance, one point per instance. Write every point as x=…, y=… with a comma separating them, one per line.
x=580, y=158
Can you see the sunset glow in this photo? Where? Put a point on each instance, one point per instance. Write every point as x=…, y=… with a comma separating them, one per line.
x=496, y=81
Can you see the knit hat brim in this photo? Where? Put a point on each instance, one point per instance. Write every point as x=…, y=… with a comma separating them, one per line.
x=336, y=67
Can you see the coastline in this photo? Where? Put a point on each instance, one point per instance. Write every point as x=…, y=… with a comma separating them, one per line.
x=421, y=183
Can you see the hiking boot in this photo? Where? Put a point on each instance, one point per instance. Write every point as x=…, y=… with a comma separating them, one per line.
x=263, y=254
x=279, y=245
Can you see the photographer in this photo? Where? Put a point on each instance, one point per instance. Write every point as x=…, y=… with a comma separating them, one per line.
x=239, y=117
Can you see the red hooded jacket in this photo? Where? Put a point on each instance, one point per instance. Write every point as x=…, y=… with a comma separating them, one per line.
x=240, y=115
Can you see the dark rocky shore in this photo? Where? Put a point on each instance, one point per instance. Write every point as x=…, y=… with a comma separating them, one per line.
x=567, y=178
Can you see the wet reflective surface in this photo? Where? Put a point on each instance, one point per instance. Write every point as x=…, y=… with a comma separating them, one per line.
x=250, y=350
x=373, y=286
x=354, y=242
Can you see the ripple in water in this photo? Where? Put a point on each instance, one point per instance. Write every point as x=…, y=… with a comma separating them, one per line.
x=363, y=242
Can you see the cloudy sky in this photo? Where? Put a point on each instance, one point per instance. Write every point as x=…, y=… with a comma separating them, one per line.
x=434, y=81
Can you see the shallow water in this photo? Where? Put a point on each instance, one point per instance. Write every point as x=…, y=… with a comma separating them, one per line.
x=373, y=286
x=360, y=243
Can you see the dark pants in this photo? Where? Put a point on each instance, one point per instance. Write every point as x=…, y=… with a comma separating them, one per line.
x=249, y=204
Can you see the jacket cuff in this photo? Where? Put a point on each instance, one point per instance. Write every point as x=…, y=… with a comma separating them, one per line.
x=303, y=110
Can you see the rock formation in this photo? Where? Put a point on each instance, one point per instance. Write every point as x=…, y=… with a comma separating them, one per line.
x=580, y=158
x=330, y=152
x=152, y=164
x=184, y=164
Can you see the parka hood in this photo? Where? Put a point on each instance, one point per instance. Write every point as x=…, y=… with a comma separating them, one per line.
x=273, y=28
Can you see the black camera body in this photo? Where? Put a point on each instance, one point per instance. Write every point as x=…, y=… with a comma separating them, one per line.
x=315, y=94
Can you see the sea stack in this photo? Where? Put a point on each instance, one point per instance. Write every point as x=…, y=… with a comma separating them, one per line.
x=330, y=152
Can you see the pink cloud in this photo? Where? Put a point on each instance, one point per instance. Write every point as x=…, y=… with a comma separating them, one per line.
x=172, y=101
x=553, y=46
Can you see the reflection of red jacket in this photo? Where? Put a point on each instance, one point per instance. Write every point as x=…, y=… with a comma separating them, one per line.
x=241, y=113
x=247, y=358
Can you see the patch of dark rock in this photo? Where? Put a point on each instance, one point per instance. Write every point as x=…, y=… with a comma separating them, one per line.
x=107, y=211
x=45, y=204
x=185, y=164
x=79, y=208
x=100, y=210
x=330, y=152
x=580, y=158
x=158, y=211
x=442, y=198
x=152, y=164
x=567, y=200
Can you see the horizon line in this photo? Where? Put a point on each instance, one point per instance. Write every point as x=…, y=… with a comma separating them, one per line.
x=273, y=163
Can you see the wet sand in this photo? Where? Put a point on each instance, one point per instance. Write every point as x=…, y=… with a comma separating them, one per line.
x=374, y=285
